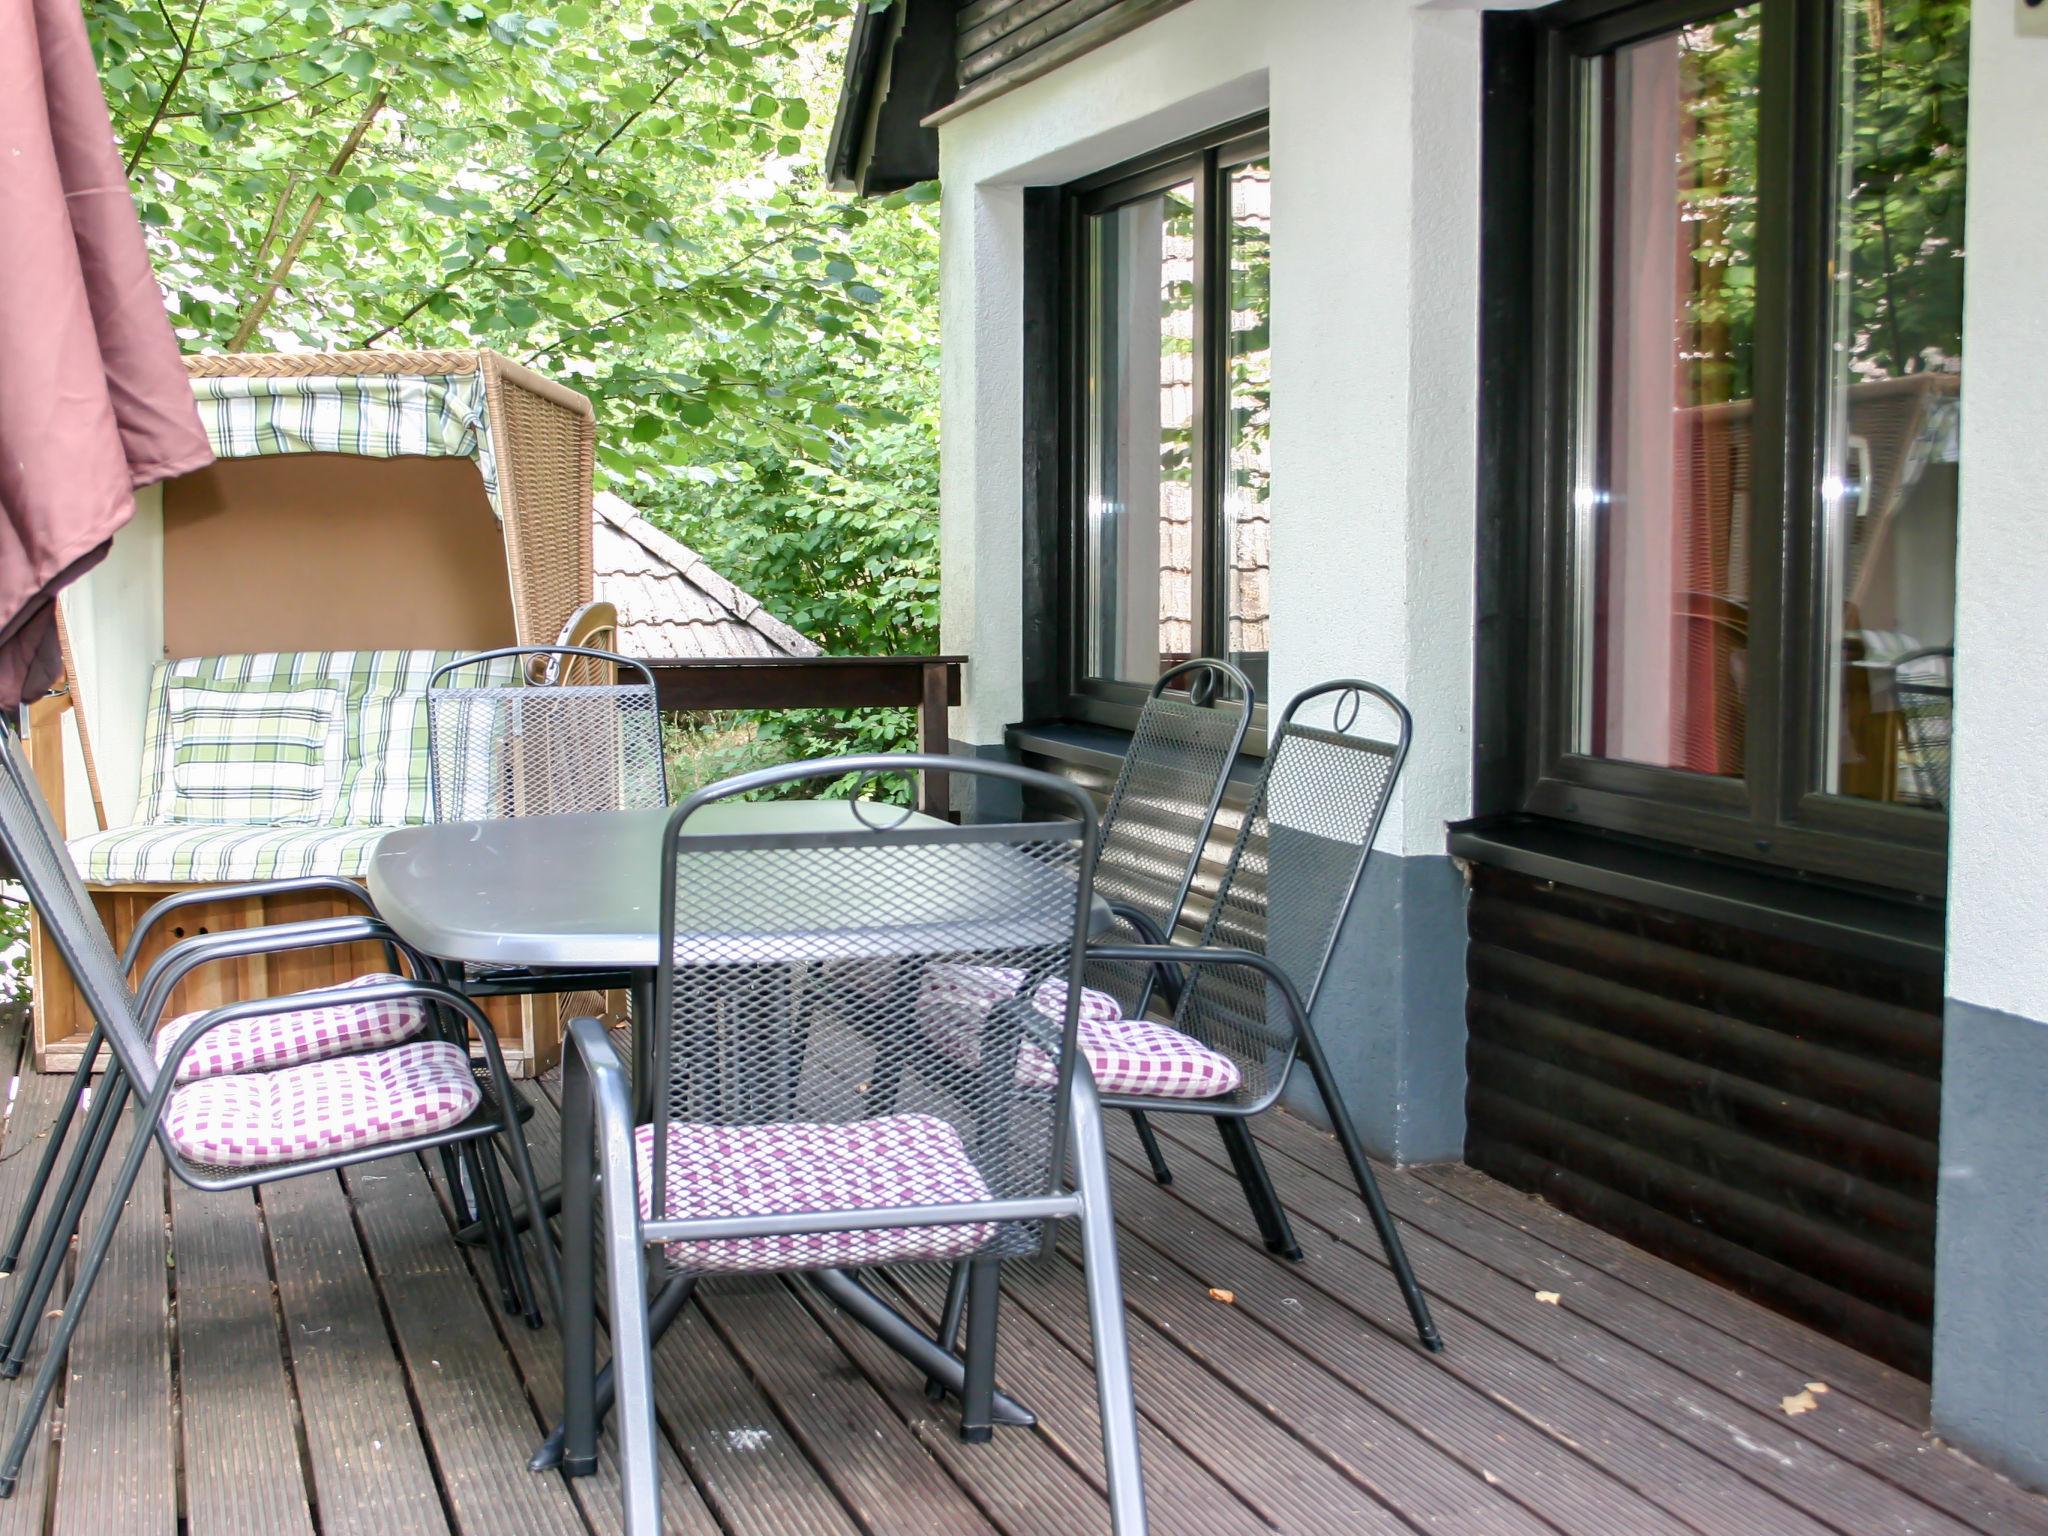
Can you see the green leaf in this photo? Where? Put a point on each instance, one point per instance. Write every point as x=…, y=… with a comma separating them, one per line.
x=362, y=197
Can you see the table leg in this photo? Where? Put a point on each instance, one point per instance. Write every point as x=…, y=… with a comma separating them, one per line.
x=903, y=1336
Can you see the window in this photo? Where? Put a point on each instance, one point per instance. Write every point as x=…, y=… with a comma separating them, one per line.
x=1167, y=419
x=1741, y=321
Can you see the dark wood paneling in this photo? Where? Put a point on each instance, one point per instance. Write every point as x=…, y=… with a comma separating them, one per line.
x=1761, y=1111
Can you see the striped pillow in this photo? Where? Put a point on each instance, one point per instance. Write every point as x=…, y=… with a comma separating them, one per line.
x=249, y=756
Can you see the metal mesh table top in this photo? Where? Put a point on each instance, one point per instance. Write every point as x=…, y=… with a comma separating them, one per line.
x=585, y=890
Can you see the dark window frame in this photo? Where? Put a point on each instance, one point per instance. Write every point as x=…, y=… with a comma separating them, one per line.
x=1055, y=365
x=1776, y=813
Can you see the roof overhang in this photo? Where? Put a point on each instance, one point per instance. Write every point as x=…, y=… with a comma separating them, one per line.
x=900, y=69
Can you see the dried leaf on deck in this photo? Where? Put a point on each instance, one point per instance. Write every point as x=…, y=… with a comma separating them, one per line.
x=1549, y=1298
x=1217, y=1293
x=1798, y=1403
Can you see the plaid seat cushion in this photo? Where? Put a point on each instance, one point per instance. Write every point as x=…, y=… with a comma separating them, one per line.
x=1135, y=1056
x=291, y=1037
x=249, y=755
x=256, y=1119
x=374, y=767
x=200, y=854
x=804, y=1168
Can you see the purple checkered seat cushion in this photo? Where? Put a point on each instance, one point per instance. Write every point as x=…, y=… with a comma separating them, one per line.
x=295, y=1035
x=806, y=1168
x=1135, y=1056
x=323, y=1107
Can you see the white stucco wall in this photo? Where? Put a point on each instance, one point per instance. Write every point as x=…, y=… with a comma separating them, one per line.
x=1998, y=939
x=1374, y=111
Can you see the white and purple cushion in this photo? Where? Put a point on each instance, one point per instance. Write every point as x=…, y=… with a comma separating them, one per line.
x=1134, y=1056
x=805, y=1168
x=288, y=1038
x=323, y=1107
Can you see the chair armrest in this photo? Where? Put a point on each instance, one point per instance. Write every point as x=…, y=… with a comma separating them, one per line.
x=587, y=1046
x=1140, y=922
x=187, y=955
x=1211, y=955
x=1164, y=960
x=334, y=885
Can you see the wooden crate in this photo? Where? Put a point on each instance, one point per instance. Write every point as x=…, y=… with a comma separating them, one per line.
x=529, y=1028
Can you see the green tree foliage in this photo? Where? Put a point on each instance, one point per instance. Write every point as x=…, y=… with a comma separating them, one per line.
x=623, y=196
x=1903, y=163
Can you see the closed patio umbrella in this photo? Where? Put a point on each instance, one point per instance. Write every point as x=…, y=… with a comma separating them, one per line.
x=93, y=399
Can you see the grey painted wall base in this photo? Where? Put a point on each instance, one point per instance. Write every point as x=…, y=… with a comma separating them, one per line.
x=1991, y=1241
x=985, y=799
x=1391, y=1014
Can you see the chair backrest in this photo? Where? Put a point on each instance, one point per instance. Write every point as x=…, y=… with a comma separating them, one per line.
x=43, y=866
x=1295, y=870
x=882, y=969
x=590, y=741
x=1159, y=814
x=1923, y=687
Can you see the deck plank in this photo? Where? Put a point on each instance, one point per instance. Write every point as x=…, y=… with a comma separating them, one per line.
x=480, y=1426
x=27, y=1513
x=242, y=1468
x=1018, y=1480
x=1693, y=1489
x=750, y=1471
x=1323, y=1410
x=1245, y=1443
x=888, y=1481
x=1059, y=1386
x=1747, y=1366
x=118, y=1470
x=1766, y=1453
x=371, y=1474
x=538, y=1357
x=1844, y=1425
x=1549, y=1475
x=1300, y=1405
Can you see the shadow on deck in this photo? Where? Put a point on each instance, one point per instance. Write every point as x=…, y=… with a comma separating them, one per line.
x=324, y=1359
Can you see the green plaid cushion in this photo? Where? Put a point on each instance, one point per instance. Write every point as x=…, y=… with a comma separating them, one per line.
x=249, y=756
x=375, y=767
x=201, y=854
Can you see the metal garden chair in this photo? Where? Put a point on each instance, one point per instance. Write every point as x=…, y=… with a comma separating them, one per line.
x=1157, y=822
x=800, y=969
x=1240, y=999
x=583, y=734
x=246, y=1094
x=1923, y=687
x=1247, y=990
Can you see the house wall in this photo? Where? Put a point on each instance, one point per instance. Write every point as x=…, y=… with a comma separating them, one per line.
x=1991, y=1268
x=1375, y=262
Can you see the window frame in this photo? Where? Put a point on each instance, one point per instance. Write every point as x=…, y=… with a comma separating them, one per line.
x=1776, y=813
x=1206, y=160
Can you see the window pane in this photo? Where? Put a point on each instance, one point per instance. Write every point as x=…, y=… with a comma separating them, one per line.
x=1248, y=473
x=1140, y=555
x=1662, y=440
x=1889, y=500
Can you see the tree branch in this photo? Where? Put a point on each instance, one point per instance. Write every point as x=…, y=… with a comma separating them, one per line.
x=290, y=255
x=163, y=102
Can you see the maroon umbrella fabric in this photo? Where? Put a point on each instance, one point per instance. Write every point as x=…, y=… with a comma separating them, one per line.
x=93, y=399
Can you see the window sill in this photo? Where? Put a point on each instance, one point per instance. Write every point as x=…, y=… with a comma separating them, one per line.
x=1101, y=747
x=1897, y=930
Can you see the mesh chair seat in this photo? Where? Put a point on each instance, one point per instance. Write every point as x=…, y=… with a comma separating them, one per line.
x=795, y=1168
x=344, y=1104
x=1126, y=1056
x=293, y=1037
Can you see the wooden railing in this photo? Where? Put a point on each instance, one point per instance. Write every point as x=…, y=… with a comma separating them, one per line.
x=926, y=683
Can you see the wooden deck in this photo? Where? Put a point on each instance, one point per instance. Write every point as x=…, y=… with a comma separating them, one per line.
x=323, y=1359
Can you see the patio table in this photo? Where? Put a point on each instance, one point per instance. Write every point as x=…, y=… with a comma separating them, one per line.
x=583, y=892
